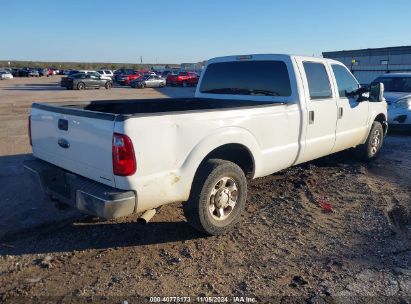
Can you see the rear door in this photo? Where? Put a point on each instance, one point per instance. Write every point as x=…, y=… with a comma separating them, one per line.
x=352, y=124
x=321, y=107
x=77, y=140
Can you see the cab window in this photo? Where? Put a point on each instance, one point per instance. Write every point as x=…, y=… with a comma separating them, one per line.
x=318, y=81
x=346, y=83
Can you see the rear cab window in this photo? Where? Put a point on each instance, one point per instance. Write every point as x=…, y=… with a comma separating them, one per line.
x=247, y=78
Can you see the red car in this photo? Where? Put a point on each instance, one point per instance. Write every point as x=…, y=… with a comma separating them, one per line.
x=184, y=79
x=126, y=78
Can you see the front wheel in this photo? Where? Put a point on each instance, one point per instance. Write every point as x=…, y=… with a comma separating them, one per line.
x=108, y=85
x=217, y=197
x=370, y=149
x=185, y=84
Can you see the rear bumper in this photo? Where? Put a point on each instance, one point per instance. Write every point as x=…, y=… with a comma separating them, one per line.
x=82, y=193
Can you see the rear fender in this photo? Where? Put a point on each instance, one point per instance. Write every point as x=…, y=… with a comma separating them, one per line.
x=218, y=138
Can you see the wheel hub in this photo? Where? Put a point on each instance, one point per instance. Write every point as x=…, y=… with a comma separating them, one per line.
x=223, y=198
x=375, y=143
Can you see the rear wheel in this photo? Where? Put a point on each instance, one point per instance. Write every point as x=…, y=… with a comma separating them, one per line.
x=217, y=197
x=108, y=85
x=185, y=84
x=81, y=86
x=370, y=149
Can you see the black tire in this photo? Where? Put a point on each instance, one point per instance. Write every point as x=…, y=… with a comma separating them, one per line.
x=142, y=85
x=81, y=86
x=208, y=179
x=370, y=149
x=108, y=85
x=184, y=84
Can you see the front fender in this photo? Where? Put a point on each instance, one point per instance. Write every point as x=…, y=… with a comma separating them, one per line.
x=372, y=117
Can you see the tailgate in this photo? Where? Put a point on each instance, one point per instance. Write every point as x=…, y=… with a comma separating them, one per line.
x=77, y=140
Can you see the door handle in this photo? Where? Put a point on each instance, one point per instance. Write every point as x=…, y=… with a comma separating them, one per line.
x=311, y=117
x=340, y=112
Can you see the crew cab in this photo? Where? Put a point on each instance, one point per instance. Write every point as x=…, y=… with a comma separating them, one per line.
x=183, y=79
x=251, y=116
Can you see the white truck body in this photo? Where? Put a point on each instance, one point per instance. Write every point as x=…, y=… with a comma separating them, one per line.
x=277, y=132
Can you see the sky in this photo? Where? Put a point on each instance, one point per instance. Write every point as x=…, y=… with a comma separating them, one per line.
x=176, y=31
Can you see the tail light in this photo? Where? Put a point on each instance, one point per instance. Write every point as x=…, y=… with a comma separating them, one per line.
x=124, y=161
x=29, y=129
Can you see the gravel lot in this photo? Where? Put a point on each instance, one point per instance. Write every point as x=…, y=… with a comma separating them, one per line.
x=285, y=245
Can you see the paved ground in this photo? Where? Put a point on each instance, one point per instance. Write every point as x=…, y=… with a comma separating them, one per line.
x=285, y=245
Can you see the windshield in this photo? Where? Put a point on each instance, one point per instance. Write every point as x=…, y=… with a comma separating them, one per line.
x=395, y=84
x=264, y=78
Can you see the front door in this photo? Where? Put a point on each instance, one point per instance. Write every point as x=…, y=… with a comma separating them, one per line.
x=150, y=82
x=352, y=125
x=93, y=80
x=321, y=108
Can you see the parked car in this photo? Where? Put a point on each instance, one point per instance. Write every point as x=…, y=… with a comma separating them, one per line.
x=150, y=81
x=81, y=81
x=15, y=72
x=123, y=156
x=122, y=71
x=164, y=74
x=33, y=73
x=127, y=77
x=50, y=72
x=95, y=73
x=24, y=72
x=397, y=92
x=106, y=73
x=5, y=75
x=183, y=79
x=43, y=72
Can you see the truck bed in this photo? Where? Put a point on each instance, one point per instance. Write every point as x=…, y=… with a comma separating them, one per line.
x=161, y=105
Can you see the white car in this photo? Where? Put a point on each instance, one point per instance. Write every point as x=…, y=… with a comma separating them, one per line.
x=397, y=92
x=5, y=75
x=251, y=116
x=107, y=73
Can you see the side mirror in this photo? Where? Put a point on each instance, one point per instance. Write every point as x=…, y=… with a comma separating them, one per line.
x=376, y=92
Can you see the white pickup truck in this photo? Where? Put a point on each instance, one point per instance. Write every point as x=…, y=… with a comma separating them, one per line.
x=251, y=116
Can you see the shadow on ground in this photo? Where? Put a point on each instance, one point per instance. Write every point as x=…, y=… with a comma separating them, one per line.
x=35, y=87
x=96, y=234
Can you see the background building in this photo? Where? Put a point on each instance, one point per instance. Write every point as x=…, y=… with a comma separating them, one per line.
x=193, y=67
x=368, y=64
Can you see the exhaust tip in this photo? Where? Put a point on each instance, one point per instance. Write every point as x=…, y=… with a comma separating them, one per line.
x=141, y=221
x=146, y=216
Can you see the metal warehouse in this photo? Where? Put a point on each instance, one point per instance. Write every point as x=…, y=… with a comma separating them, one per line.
x=368, y=64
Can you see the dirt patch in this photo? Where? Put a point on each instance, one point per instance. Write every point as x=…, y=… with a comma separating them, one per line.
x=286, y=244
